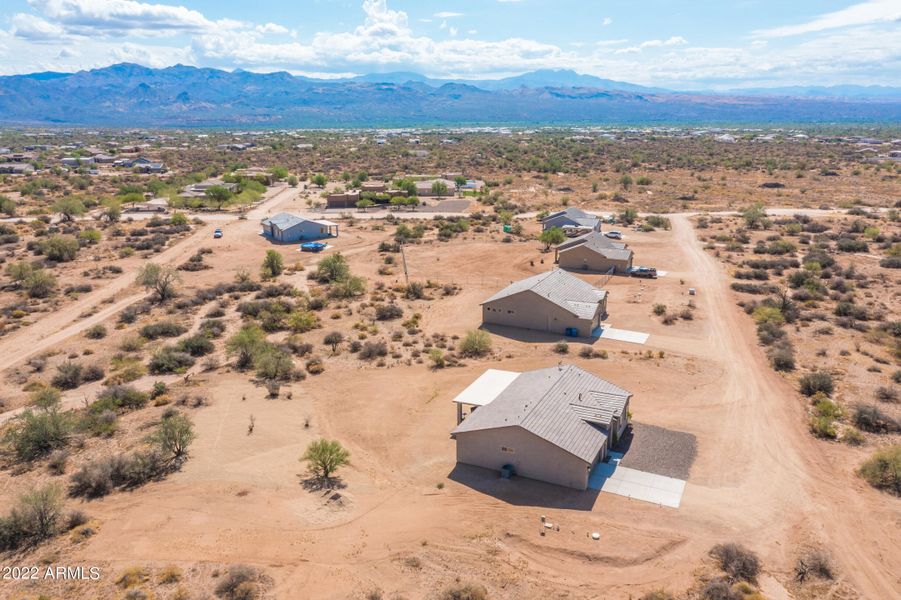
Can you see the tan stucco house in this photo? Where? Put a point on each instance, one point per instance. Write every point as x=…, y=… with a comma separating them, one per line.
x=555, y=301
x=553, y=424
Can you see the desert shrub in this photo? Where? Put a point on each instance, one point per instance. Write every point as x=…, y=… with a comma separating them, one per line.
x=739, y=563
x=170, y=360
x=823, y=427
x=347, y=288
x=814, y=563
x=68, y=376
x=333, y=339
x=769, y=332
x=96, y=332
x=173, y=437
x=883, y=469
x=870, y=418
x=315, y=366
x=162, y=329
x=887, y=394
x=476, y=343
x=659, y=309
x=387, y=312
x=658, y=595
x=240, y=583
x=92, y=480
x=464, y=591
x=212, y=328
x=850, y=245
x=414, y=291
x=56, y=463
x=561, y=347
x=819, y=381
x=301, y=321
x=719, y=589
x=170, y=574
x=59, y=248
x=196, y=345
x=373, y=349
x=119, y=397
x=439, y=361
x=782, y=358
x=99, y=422
x=274, y=364
x=34, y=518
x=853, y=437
x=36, y=433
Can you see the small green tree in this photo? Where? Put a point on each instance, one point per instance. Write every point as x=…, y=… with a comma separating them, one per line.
x=69, y=208
x=246, y=344
x=160, y=279
x=628, y=216
x=755, y=216
x=364, y=204
x=459, y=182
x=552, y=236
x=439, y=188
x=324, y=457
x=332, y=268
x=625, y=181
x=292, y=181
x=334, y=340
x=319, y=180
x=279, y=173
x=273, y=264
x=218, y=195
x=174, y=436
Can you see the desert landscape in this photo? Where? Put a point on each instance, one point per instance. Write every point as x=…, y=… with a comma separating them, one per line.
x=166, y=372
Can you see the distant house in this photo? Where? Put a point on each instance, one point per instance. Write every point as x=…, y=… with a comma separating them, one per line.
x=152, y=167
x=288, y=228
x=16, y=169
x=572, y=218
x=555, y=301
x=426, y=187
x=552, y=424
x=346, y=199
x=261, y=175
x=104, y=159
x=594, y=252
x=374, y=186
x=77, y=161
x=198, y=190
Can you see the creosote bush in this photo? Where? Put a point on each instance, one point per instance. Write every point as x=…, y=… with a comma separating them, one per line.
x=476, y=343
x=739, y=563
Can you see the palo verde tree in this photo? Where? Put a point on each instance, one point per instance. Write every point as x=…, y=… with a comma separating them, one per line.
x=160, y=279
x=218, y=195
x=551, y=237
x=324, y=457
x=69, y=208
x=273, y=265
x=246, y=344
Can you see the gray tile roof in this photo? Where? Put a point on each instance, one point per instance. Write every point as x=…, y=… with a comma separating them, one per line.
x=283, y=220
x=566, y=291
x=566, y=406
x=598, y=242
x=577, y=215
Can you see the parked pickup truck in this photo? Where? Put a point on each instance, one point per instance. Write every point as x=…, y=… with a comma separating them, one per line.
x=646, y=272
x=312, y=247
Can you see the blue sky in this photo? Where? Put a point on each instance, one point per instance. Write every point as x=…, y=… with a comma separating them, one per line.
x=677, y=44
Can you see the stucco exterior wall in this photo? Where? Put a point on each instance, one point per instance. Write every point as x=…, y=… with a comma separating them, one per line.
x=531, y=456
x=581, y=258
x=528, y=310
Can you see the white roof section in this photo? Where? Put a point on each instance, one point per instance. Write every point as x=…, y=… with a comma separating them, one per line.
x=486, y=388
x=325, y=222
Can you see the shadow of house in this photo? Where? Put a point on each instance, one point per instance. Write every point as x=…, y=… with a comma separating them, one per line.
x=520, y=491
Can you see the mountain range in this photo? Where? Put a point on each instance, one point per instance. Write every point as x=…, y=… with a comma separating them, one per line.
x=182, y=96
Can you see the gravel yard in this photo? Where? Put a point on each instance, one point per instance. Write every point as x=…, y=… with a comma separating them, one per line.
x=658, y=450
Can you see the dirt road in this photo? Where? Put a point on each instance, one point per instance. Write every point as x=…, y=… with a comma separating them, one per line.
x=787, y=471
x=101, y=303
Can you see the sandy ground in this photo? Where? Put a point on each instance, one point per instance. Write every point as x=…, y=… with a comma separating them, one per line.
x=758, y=478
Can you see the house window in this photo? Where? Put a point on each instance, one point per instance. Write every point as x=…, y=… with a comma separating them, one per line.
x=507, y=450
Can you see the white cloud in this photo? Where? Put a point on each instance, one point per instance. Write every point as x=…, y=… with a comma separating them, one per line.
x=36, y=29
x=120, y=17
x=673, y=41
x=607, y=21
x=447, y=14
x=271, y=28
x=864, y=13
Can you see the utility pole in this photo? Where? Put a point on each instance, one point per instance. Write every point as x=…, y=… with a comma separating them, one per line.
x=403, y=256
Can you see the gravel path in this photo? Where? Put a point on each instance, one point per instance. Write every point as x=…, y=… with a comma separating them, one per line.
x=658, y=450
